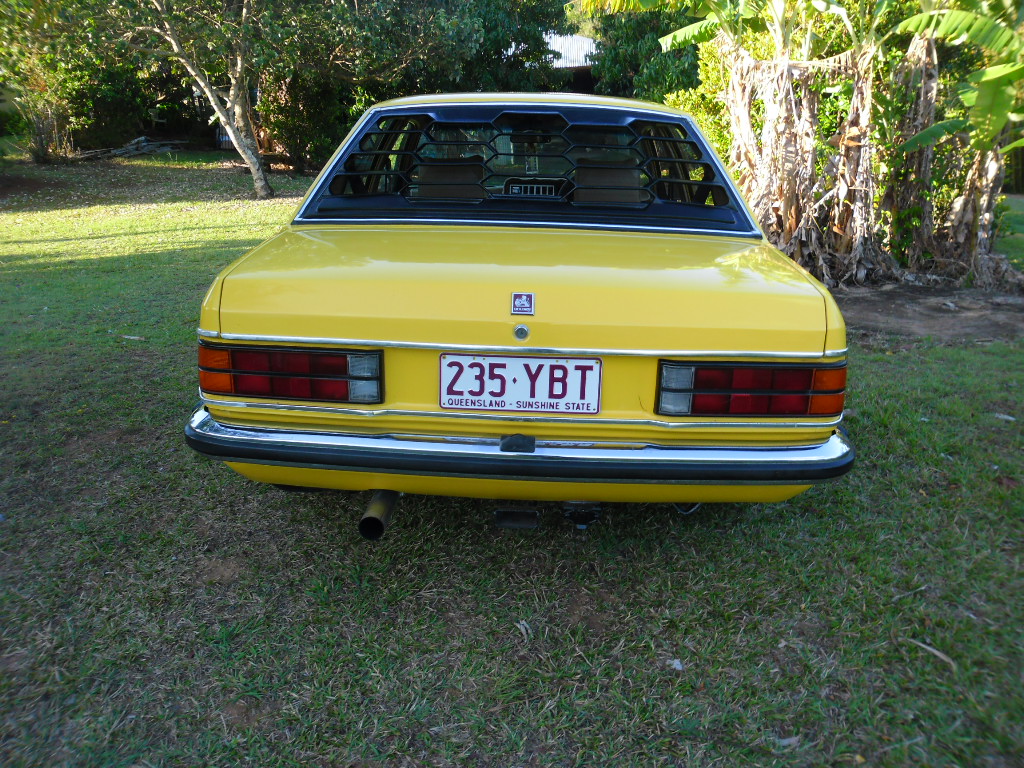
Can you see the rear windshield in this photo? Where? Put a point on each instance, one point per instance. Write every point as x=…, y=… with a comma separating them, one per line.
x=573, y=166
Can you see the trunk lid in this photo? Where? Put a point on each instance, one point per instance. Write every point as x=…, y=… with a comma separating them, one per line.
x=453, y=285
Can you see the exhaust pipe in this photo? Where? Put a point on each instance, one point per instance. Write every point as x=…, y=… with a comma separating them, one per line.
x=378, y=514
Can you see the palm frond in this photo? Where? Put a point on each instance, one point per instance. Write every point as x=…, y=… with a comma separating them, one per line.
x=984, y=31
x=596, y=7
x=991, y=112
x=932, y=134
x=698, y=32
x=1012, y=145
x=1004, y=72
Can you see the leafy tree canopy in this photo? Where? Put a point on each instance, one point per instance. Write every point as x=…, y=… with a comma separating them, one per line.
x=630, y=61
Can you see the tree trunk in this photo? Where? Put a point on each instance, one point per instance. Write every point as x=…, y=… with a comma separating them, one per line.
x=784, y=188
x=248, y=147
x=990, y=183
x=744, y=156
x=234, y=119
x=971, y=223
x=776, y=171
x=852, y=219
x=232, y=108
x=991, y=270
x=912, y=227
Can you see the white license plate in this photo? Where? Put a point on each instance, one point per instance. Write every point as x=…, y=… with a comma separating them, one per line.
x=522, y=384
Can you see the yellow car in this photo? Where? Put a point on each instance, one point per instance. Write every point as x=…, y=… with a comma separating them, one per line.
x=524, y=296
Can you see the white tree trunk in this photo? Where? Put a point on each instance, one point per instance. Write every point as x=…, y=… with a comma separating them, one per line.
x=852, y=218
x=232, y=108
x=907, y=195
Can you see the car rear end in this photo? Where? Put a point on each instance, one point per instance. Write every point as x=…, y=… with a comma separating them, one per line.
x=543, y=300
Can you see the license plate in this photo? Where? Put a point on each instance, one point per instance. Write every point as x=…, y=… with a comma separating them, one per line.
x=521, y=384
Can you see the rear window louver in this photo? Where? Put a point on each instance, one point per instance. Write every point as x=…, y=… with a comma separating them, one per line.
x=527, y=164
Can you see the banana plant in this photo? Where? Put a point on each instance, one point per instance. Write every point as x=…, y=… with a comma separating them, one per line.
x=727, y=17
x=993, y=95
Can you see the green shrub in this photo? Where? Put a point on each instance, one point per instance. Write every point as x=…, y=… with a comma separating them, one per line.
x=702, y=101
x=306, y=114
x=12, y=123
x=107, y=105
x=629, y=60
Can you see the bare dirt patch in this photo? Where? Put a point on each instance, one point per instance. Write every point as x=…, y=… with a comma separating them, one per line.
x=12, y=184
x=15, y=662
x=248, y=714
x=223, y=572
x=946, y=314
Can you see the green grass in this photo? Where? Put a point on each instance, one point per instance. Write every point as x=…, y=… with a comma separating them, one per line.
x=156, y=609
x=1011, y=238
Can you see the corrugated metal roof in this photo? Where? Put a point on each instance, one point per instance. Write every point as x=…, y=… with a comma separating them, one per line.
x=570, y=51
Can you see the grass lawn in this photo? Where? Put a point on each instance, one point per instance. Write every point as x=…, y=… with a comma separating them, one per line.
x=158, y=610
x=1011, y=238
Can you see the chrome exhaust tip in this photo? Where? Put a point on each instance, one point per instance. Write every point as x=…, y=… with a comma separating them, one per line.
x=377, y=515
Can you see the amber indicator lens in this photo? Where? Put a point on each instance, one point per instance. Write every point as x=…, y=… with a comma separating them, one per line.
x=827, y=405
x=826, y=379
x=209, y=357
x=216, y=382
x=725, y=390
x=291, y=374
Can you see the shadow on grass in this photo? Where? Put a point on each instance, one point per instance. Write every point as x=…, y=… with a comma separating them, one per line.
x=113, y=236
x=32, y=189
x=22, y=260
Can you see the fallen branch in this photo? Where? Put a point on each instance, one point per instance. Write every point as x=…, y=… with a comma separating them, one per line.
x=933, y=651
x=140, y=146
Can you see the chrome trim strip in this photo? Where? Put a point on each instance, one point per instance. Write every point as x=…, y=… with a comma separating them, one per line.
x=498, y=349
x=537, y=224
x=802, y=457
x=836, y=352
x=208, y=334
x=518, y=417
x=469, y=440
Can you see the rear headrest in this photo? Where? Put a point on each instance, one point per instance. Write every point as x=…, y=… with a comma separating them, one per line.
x=607, y=183
x=457, y=178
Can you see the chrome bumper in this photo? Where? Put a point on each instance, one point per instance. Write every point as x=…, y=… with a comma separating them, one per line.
x=552, y=461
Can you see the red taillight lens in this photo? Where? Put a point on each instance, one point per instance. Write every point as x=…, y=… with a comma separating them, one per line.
x=329, y=364
x=713, y=378
x=752, y=378
x=325, y=389
x=291, y=387
x=707, y=404
x=252, y=385
x=787, y=405
x=748, y=390
x=792, y=378
x=250, y=361
x=290, y=362
x=353, y=377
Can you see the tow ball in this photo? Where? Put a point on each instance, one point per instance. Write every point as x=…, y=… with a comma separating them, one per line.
x=582, y=514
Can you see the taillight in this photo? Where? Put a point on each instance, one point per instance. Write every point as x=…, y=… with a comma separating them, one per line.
x=712, y=389
x=291, y=374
